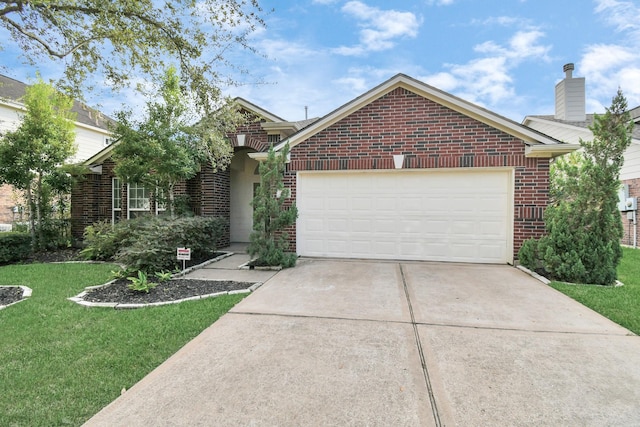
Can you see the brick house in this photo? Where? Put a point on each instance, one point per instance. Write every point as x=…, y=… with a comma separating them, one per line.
x=570, y=123
x=404, y=171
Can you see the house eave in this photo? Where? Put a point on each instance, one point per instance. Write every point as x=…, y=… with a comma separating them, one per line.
x=549, y=151
x=100, y=156
x=529, y=136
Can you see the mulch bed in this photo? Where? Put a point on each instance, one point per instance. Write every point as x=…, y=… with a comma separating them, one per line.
x=171, y=290
x=119, y=292
x=10, y=294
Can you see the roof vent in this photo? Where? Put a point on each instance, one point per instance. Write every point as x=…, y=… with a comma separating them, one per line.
x=568, y=69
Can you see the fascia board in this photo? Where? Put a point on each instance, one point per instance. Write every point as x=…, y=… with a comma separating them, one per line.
x=549, y=151
x=515, y=129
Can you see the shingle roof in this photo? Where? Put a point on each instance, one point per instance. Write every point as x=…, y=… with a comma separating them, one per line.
x=14, y=90
x=589, y=121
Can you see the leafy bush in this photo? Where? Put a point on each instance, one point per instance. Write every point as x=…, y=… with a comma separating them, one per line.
x=55, y=233
x=574, y=251
x=528, y=254
x=103, y=240
x=155, y=239
x=14, y=247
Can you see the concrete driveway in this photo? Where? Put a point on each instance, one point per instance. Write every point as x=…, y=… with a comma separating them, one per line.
x=404, y=344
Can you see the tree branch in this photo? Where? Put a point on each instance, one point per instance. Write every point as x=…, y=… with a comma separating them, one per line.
x=43, y=43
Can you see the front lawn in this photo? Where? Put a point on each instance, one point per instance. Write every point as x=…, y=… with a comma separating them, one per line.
x=621, y=304
x=60, y=363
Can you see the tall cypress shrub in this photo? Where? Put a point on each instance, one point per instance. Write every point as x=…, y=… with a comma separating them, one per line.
x=583, y=223
x=271, y=216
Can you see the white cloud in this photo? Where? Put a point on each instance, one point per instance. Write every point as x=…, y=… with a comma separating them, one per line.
x=607, y=67
x=621, y=14
x=487, y=80
x=379, y=28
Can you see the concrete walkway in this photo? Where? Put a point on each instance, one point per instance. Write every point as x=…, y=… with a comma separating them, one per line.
x=404, y=344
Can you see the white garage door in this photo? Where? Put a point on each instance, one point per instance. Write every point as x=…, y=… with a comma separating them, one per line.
x=462, y=216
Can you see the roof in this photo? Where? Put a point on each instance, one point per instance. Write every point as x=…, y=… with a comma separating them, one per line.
x=257, y=110
x=538, y=144
x=14, y=90
x=635, y=115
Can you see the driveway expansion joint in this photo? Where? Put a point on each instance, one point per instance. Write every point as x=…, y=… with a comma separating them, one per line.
x=423, y=361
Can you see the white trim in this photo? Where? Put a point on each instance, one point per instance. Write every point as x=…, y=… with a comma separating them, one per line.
x=510, y=207
x=257, y=110
x=548, y=151
x=398, y=160
x=113, y=208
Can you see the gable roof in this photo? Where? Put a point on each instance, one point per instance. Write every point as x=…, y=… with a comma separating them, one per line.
x=12, y=91
x=584, y=125
x=259, y=111
x=538, y=144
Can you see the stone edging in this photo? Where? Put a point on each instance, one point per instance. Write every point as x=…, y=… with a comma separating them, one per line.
x=547, y=281
x=246, y=266
x=534, y=274
x=26, y=293
x=78, y=299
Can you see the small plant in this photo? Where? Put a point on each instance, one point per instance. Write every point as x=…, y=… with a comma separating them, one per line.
x=119, y=274
x=163, y=276
x=141, y=283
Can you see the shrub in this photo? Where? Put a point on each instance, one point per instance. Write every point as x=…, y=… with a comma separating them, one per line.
x=156, y=239
x=528, y=254
x=14, y=247
x=271, y=215
x=103, y=240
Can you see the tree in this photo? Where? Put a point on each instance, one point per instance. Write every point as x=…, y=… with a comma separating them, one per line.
x=164, y=148
x=123, y=39
x=31, y=157
x=269, y=239
x=583, y=223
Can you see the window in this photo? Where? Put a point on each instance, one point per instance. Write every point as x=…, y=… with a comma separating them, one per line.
x=273, y=138
x=139, y=200
x=161, y=201
x=116, y=198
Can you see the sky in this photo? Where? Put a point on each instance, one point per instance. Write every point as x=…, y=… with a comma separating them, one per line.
x=504, y=55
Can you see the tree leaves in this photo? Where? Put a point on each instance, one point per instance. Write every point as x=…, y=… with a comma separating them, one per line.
x=122, y=40
x=583, y=223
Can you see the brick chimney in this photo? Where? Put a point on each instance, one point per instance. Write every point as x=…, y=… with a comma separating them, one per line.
x=570, y=97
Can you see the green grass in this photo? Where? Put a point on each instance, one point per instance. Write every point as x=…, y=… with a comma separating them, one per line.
x=621, y=304
x=60, y=363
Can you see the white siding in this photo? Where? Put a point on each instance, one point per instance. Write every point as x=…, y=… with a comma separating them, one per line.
x=631, y=167
x=89, y=140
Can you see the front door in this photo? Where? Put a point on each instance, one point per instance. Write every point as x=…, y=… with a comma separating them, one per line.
x=244, y=176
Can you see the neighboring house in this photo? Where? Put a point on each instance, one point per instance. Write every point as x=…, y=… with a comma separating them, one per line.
x=92, y=134
x=570, y=124
x=404, y=171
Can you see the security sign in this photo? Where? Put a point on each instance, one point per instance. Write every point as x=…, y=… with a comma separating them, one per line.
x=184, y=254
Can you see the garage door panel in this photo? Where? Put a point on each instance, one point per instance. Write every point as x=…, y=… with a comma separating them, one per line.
x=423, y=215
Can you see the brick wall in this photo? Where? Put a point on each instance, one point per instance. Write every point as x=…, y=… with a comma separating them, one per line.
x=255, y=136
x=213, y=197
x=7, y=202
x=634, y=191
x=430, y=136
